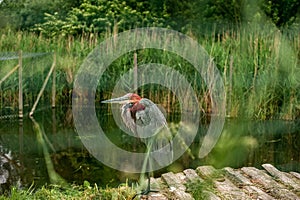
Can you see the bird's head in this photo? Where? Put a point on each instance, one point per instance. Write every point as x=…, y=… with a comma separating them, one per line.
x=127, y=98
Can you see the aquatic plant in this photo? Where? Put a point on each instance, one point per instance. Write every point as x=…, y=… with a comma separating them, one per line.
x=260, y=70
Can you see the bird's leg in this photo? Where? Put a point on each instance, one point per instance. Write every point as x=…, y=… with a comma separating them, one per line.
x=148, y=190
x=148, y=186
x=147, y=162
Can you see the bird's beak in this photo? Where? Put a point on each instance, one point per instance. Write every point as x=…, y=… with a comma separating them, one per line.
x=120, y=100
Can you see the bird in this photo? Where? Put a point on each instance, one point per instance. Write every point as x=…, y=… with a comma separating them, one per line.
x=147, y=122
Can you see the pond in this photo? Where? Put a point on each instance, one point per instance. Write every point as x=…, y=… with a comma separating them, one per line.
x=23, y=158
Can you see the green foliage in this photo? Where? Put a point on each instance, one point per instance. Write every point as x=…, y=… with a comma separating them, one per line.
x=196, y=14
x=97, y=16
x=72, y=192
x=227, y=11
x=73, y=17
x=22, y=14
x=282, y=12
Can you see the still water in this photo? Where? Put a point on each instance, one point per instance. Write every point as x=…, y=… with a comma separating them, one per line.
x=242, y=143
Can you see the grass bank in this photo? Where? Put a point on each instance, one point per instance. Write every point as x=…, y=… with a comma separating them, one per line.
x=260, y=69
x=73, y=192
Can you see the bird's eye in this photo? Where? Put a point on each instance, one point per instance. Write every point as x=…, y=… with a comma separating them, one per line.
x=129, y=105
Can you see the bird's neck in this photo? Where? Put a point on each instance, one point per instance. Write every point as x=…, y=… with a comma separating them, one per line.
x=136, y=108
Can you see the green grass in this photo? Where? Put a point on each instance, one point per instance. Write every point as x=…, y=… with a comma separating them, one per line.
x=260, y=69
x=203, y=189
x=199, y=189
x=73, y=192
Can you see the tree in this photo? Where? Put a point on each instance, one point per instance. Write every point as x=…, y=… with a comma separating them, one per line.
x=74, y=16
x=227, y=12
x=98, y=15
x=24, y=14
x=282, y=12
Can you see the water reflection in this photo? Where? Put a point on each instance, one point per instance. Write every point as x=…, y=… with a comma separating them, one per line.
x=252, y=143
x=242, y=143
x=45, y=144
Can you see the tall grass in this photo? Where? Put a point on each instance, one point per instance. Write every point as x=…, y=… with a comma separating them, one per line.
x=260, y=70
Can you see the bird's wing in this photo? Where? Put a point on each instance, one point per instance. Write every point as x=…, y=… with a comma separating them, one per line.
x=149, y=120
x=128, y=120
x=151, y=126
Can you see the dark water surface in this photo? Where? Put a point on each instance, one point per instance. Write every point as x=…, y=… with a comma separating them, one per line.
x=242, y=143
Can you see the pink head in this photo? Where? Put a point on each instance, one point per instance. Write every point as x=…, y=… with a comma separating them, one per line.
x=127, y=98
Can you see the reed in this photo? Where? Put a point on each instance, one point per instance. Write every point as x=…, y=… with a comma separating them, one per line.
x=260, y=70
